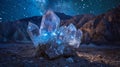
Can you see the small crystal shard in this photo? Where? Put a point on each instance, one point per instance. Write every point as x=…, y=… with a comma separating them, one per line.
x=71, y=32
x=73, y=37
x=70, y=35
x=61, y=33
x=78, y=38
x=33, y=31
x=72, y=28
x=75, y=42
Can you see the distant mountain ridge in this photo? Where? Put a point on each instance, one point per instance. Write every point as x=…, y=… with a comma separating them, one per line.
x=101, y=29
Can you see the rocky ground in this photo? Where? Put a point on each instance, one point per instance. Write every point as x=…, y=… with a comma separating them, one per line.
x=21, y=55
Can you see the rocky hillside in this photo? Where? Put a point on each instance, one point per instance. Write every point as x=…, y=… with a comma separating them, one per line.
x=17, y=31
x=104, y=28
x=101, y=29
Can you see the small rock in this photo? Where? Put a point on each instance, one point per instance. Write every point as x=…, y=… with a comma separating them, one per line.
x=68, y=51
x=70, y=60
x=30, y=61
x=27, y=61
x=52, y=53
x=100, y=56
x=41, y=58
x=66, y=66
x=13, y=58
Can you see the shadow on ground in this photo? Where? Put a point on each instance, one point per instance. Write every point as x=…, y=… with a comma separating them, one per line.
x=20, y=55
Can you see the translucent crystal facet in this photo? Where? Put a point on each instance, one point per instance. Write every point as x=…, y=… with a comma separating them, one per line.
x=78, y=38
x=50, y=23
x=75, y=42
x=72, y=28
x=71, y=32
x=33, y=31
x=50, y=32
x=61, y=34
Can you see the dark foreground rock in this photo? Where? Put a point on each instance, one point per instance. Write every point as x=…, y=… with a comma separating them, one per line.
x=54, y=51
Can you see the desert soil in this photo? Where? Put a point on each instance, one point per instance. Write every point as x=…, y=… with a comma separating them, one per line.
x=21, y=55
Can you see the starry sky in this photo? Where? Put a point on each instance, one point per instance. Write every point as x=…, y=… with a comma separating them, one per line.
x=11, y=10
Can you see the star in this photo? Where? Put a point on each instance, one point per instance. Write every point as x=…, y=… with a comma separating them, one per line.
x=17, y=9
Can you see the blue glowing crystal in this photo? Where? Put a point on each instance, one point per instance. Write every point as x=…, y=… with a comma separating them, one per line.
x=33, y=31
x=50, y=23
x=61, y=35
x=78, y=37
x=50, y=32
x=71, y=28
x=70, y=34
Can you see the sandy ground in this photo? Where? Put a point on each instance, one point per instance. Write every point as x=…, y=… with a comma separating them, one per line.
x=21, y=55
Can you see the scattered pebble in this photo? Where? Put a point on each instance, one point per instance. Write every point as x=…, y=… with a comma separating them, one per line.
x=30, y=61
x=70, y=60
x=41, y=58
x=66, y=66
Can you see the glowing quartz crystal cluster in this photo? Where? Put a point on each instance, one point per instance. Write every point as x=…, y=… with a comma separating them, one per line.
x=50, y=32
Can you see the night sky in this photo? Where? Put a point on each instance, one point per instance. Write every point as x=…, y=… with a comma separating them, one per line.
x=11, y=10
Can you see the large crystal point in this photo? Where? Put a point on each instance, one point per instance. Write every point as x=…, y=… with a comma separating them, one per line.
x=33, y=31
x=50, y=23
